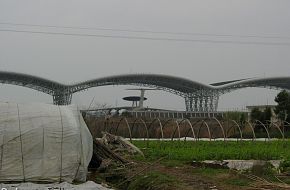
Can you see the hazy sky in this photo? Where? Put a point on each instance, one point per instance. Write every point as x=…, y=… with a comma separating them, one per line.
x=264, y=52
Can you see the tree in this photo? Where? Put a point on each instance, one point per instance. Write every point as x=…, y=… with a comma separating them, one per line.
x=262, y=116
x=243, y=119
x=256, y=114
x=267, y=114
x=283, y=105
x=239, y=117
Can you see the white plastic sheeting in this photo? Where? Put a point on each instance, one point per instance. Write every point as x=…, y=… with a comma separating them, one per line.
x=57, y=186
x=41, y=142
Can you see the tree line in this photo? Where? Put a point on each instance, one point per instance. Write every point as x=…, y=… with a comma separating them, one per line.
x=282, y=110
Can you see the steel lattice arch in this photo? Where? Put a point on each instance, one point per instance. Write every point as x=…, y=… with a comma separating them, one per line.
x=198, y=97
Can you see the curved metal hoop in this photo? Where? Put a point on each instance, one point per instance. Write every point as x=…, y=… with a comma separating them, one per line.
x=239, y=128
x=128, y=127
x=203, y=122
x=144, y=124
x=160, y=124
x=264, y=128
x=252, y=129
x=176, y=128
x=281, y=132
x=191, y=128
x=221, y=127
x=166, y=122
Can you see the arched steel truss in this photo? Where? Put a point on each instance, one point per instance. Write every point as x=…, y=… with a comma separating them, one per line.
x=198, y=97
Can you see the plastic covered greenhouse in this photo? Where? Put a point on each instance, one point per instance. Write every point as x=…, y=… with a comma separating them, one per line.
x=43, y=143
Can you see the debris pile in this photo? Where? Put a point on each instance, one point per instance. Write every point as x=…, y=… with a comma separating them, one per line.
x=113, y=147
x=111, y=155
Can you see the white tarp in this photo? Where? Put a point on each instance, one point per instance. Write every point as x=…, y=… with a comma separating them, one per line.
x=41, y=142
x=56, y=186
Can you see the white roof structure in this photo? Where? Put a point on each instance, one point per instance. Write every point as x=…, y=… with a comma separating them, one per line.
x=198, y=97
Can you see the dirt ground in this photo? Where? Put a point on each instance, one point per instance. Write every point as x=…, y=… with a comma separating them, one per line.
x=187, y=177
x=193, y=179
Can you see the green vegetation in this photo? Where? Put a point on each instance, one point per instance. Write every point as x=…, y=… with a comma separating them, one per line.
x=176, y=170
x=263, y=116
x=238, y=182
x=215, y=150
x=155, y=180
x=239, y=117
x=283, y=107
x=209, y=172
x=225, y=175
x=285, y=166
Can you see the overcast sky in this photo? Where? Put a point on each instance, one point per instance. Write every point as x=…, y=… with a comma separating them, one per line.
x=240, y=39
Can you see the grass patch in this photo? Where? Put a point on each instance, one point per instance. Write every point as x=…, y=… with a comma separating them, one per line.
x=238, y=182
x=223, y=175
x=210, y=172
x=215, y=150
x=156, y=181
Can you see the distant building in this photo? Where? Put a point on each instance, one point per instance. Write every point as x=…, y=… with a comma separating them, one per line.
x=263, y=108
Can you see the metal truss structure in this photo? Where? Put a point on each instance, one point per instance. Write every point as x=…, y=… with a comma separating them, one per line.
x=198, y=97
x=202, y=101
